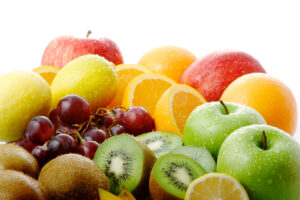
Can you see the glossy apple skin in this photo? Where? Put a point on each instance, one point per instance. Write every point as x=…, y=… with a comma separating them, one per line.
x=212, y=74
x=63, y=49
x=208, y=125
x=272, y=174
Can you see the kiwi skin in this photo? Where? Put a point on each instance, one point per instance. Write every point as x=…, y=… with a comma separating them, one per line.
x=141, y=192
x=18, y=186
x=72, y=176
x=17, y=158
x=157, y=193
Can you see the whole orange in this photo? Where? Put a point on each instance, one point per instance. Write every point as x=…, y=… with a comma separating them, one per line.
x=170, y=61
x=269, y=96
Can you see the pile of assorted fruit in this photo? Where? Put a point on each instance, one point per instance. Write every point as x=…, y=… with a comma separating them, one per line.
x=84, y=125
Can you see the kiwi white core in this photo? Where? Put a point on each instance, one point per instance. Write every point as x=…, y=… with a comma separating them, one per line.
x=117, y=166
x=156, y=145
x=182, y=176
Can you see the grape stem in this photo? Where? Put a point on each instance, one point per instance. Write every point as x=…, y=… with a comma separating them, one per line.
x=225, y=107
x=80, y=138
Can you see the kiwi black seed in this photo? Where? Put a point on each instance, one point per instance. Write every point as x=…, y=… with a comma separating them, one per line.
x=126, y=162
x=161, y=142
x=15, y=185
x=171, y=176
x=17, y=158
x=199, y=154
x=72, y=176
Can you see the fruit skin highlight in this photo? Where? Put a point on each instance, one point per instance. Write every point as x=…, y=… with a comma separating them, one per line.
x=213, y=73
x=90, y=76
x=23, y=95
x=63, y=49
x=269, y=96
x=209, y=124
x=267, y=173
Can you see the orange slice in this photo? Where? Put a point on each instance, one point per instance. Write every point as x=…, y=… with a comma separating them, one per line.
x=125, y=72
x=145, y=90
x=174, y=107
x=47, y=72
x=216, y=186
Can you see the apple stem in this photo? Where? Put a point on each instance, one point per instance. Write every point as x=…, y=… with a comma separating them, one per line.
x=265, y=140
x=88, y=33
x=225, y=107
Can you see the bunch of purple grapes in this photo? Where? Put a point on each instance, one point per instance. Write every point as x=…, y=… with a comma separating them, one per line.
x=73, y=128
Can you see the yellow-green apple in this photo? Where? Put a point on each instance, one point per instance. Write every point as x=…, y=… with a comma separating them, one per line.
x=265, y=159
x=213, y=73
x=23, y=95
x=90, y=76
x=63, y=49
x=210, y=123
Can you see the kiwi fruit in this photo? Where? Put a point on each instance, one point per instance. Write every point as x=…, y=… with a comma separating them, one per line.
x=171, y=175
x=126, y=162
x=15, y=185
x=72, y=176
x=199, y=154
x=17, y=158
x=161, y=142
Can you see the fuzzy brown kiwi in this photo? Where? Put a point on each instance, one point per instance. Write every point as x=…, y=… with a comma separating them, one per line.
x=17, y=158
x=127, y=162
x=16, y=185
x=72, y=176
x=142, y=190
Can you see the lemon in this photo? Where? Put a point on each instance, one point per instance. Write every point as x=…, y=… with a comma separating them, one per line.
x=91, y=77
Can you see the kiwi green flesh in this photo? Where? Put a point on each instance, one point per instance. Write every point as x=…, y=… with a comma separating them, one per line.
x=121, y=159
x=161, y=142
x=199, y=154
x=174, y=173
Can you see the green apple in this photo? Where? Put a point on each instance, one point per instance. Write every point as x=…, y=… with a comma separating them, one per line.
x=91, y=77
x=265, y=159
x=210, y=123
x=23, y=95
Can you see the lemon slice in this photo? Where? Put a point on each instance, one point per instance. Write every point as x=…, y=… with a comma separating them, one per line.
x=216, y=186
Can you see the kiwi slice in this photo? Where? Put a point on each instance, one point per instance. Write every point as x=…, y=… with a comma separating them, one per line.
x=18, y=186
x=72, y=176
x=17, y=158
x=126, y=162
x=199, y=154
x=171, y=176
x=161, y=142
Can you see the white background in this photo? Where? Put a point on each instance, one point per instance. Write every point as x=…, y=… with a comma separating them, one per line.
x=268, y=30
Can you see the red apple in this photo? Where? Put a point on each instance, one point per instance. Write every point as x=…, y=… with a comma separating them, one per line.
x=66, y=48
x=212, y=74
